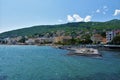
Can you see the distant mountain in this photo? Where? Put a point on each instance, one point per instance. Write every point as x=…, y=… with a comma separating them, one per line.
x=68, y=27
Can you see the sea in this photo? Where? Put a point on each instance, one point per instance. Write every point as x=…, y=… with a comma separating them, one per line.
x=30, y=62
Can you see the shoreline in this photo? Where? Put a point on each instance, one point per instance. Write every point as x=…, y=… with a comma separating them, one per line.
x=72, y=49
x=68, y=47
x=80, y=51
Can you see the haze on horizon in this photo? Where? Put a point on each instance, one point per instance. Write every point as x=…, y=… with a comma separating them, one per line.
x=15, y=14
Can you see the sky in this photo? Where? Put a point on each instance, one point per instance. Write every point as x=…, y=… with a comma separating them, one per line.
x=15, y=14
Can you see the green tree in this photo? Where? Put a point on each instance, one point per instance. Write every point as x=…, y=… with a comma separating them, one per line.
x=103, y=34
x=22, y=40
x=116, y=40
x=72, y=41
x=86, y=39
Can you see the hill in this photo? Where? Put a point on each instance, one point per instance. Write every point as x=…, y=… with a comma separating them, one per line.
x=68, y=27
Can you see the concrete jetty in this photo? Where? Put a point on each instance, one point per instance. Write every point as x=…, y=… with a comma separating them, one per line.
x=84, y=52
x=80, y=51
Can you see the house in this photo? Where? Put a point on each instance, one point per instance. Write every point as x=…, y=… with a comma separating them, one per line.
x=30, y=41
x=78, y=37
x=10, y=41
x=18, y=38
x=117, y=32
x=62, y=39
x=45, y=40
x=66, y=39
x=2, y=41
x=97, y=38
x=104, y=41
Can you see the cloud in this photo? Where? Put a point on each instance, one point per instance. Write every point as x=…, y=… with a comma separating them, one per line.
x=87, y=18
x=70, y=18
x=77, y=18
x=105, y=8
x=117, y=12
x=98, y=11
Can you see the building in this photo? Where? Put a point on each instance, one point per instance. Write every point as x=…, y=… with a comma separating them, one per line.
x=45, y=40
x=97, y=38
x=62, y=39
x=117, y=32
x=30, y=41
x=2, y=41
x=111, y=34
x=38, y=41
x=104, y=41
x=10, y=41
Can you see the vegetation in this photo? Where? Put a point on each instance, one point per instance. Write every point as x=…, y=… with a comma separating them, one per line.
x=116, y=40
x=69, y=28
x=22, y=40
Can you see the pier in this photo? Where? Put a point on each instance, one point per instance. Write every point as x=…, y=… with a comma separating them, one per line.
x=112, y=46
x=85, y=52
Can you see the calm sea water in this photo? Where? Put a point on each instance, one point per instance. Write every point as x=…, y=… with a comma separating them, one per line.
x=47, y=63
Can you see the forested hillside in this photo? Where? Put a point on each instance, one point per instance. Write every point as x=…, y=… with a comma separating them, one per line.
x=68, y=28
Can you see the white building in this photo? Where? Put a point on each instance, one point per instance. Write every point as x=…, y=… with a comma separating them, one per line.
x=46, y=40
x=30, y=41
x=111, y=34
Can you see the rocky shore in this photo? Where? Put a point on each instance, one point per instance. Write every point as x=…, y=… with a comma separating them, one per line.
x=81, y=51
x=85, y=52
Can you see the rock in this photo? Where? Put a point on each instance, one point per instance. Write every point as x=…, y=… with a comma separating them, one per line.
x=85, y=52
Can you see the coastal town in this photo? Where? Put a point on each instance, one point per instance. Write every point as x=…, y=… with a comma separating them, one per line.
x=61, y=38
x=77, y=43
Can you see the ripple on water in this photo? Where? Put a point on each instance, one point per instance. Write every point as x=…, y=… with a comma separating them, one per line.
x=3, y=77
x=47, y=63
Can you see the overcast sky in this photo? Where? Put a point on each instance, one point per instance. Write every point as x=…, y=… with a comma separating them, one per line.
x=15, y=14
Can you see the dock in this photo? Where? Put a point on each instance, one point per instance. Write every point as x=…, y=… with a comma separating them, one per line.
x=85, y=52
